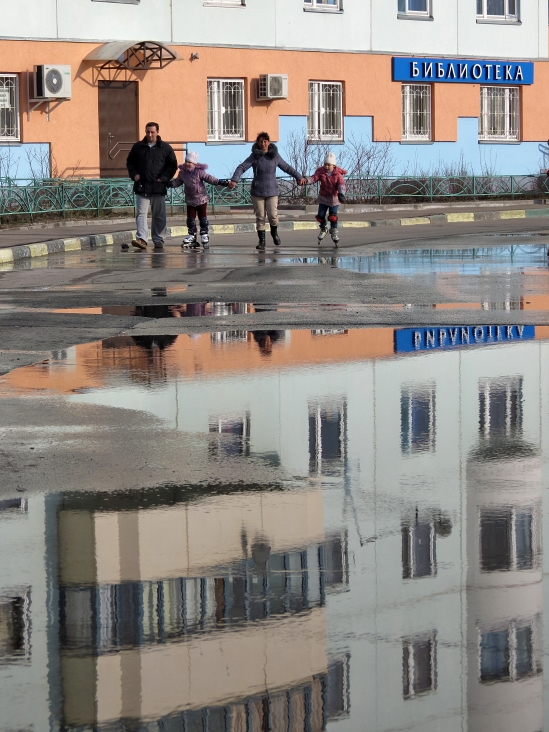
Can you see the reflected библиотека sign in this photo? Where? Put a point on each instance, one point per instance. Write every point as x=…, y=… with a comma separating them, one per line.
x=409, y=340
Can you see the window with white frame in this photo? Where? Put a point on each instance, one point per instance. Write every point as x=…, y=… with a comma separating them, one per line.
x=417, y=418
x=421, y=8
x=499, y=113
x=419, y=557
x=9, y=108
x=225, y=109
x=229, y=3
x=416, y=112
x=419, y=665
x=509, y=539
x=323, y=4
x=499, y=9
x=325, y=120
x=510, y=652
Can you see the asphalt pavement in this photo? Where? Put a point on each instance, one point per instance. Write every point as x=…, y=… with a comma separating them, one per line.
x=379, y=276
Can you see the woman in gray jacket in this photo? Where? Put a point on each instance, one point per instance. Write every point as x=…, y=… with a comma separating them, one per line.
x=265, y=160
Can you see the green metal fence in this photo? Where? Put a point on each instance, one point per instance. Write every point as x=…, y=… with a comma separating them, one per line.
x=31, y=198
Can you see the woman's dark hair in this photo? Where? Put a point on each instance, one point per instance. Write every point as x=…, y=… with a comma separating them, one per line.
x=263, y=136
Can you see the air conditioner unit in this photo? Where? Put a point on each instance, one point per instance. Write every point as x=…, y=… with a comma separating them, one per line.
x=52, y=81
x=272, y=86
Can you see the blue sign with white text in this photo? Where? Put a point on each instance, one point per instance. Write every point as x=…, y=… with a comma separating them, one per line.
x=410, y=340
x=460, y=71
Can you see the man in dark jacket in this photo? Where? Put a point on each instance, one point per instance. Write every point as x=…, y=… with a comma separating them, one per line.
x=151, y=165
x=264, y=161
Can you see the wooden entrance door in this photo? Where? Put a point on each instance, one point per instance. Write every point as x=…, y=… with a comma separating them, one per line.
x=117, y=124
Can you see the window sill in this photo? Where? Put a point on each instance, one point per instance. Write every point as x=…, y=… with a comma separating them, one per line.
x=417, y=142
x=214, y=4
x=498, y=21
x=499, y=142
x=332, y=11
x=227, y=142
x=409, y=16
x=325, y=141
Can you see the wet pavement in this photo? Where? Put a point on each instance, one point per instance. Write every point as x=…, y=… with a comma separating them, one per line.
x=284, y=493
x=277, y=530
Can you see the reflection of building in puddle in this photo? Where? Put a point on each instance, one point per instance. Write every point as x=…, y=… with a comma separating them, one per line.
x=419, y=665
x=417, y=418
x=504, y=586
x=159, y=604
x=229, y=336
x=14, y=626
x=233, y=435
x=327, y=436
x=306, y=707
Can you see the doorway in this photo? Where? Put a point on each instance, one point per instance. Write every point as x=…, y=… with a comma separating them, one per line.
x=118, y=126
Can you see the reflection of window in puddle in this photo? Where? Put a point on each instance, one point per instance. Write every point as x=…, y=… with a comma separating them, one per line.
x=418, y=550
x=510, y=652
x=14, y=626
x=508, y=539
x=13, y=507
x=503, y=305
x=304, y=707
x=228, y=336
x=419, y=538
x=327, y=435
x=417, y=418
x=233, y=435
x=333, y=331
x=500, y=407
x=419, y=667
x=220, y=309
x=267, y=584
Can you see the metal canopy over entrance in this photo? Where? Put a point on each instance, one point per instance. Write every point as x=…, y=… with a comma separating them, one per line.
x=133, y=55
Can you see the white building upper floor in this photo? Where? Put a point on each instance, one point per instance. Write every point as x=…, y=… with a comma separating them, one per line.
x=467, y=28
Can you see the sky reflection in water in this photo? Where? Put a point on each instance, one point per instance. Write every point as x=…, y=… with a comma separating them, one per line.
x=389, y=578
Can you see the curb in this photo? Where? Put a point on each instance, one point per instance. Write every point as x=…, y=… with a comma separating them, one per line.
x=42, y=249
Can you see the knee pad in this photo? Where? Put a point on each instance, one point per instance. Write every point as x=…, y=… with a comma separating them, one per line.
x=320, y=219
x=332, y=219
x=191, y=225
x=204, y=224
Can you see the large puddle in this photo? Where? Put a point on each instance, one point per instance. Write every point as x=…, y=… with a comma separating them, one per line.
x=357, y=543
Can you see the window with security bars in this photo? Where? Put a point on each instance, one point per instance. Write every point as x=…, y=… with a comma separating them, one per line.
x=225, y=109
x=499, y=113
x=416, y=112
x=498, y=9
x=9, y=108
x=325, y=120
x=323, y=4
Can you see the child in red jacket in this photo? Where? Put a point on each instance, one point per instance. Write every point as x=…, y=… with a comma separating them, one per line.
x=332, y=192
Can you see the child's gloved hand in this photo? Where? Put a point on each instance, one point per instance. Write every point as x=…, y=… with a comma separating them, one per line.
x=342, y=197
x=223, y=182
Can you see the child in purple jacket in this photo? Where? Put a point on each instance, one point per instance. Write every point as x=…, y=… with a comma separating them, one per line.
x=193, y=176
